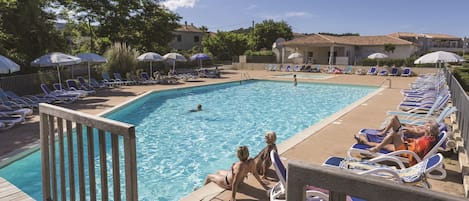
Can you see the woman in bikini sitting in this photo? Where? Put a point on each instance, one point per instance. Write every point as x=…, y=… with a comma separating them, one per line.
x=230, y=179
x=262, y=159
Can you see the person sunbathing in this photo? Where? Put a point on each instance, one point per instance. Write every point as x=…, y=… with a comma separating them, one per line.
x=263, y=161
x=408, y=130
x=396, y=141
x=230, y=179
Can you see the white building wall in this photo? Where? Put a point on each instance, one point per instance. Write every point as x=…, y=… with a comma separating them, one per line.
x=401, y=51
x=187, y=40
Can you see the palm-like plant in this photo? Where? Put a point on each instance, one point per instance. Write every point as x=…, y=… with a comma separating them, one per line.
x=121, y=58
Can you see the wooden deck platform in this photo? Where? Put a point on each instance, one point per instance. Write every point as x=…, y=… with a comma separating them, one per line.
x=9, y=191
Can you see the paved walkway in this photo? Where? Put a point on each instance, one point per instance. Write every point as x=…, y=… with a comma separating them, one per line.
x=331, y=137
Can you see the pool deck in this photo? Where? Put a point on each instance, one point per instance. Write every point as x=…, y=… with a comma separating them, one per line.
x=11, y=192
x=307, y=146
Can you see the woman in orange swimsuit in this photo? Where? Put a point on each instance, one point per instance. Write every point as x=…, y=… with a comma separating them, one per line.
x=230, y=179
x=395, y=140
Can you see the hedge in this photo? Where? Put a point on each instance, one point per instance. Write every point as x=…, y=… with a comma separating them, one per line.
x=462, y=75
x=409, y=62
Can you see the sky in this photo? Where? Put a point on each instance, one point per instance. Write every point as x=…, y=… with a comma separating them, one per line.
x=366, y=17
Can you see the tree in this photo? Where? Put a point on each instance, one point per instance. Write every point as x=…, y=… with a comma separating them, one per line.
x=224, y=45
x=204, y=29
x=389, y=47
x=268, y=31
x=5, y=6
x=28, y=31
x=153, y=28
x=144, y=24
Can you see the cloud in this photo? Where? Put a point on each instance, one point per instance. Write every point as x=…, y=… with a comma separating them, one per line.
x=175, y=4
x=252, y=6
x=296, y=14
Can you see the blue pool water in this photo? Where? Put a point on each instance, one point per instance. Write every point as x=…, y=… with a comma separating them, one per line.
x=176, y=149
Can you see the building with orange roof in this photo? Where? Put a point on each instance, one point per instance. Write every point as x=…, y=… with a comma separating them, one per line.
x=346, y=50
x=186, y=37
x=430, y=42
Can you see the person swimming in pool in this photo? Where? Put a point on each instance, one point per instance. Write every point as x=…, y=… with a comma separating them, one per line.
x=295, y=82
x=230, y=179
x=199, y=108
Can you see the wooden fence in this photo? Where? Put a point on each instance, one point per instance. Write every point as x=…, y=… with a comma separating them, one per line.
x=59, y=149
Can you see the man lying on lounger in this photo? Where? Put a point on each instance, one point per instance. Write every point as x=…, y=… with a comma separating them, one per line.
x=421, y=145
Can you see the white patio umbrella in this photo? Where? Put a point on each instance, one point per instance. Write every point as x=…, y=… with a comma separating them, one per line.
x=150, y=57
x=175, y=57
x=91, y=58
x=295, y=55
x=7, y=66
x=377, y=56
x=56, y=59
x=439, y=57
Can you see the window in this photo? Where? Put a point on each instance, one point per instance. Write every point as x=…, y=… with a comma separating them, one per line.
x=196, y=39
x=178, y=38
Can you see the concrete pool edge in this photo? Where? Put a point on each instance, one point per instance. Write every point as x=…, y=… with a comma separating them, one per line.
x=21, y=153
x=211, y=190
x=25, y=151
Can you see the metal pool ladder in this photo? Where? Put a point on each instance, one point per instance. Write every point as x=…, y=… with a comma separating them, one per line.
x=245, y=76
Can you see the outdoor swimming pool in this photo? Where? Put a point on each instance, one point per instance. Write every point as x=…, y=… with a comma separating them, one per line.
x=303, y=76
x=176, y=149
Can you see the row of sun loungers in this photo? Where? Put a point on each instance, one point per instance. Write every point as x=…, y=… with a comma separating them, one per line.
x=146, y=79
x=395, y=71
x=16, y=109
x=427, y=98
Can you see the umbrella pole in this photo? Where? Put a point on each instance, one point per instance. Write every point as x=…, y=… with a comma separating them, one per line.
x=174, y=66
x=89, y=74
x=151, y=70
x=60, y=82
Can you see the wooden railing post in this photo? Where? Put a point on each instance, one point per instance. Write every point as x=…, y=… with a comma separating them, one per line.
x=44, y=134
x=130, y=165
x=52, y=116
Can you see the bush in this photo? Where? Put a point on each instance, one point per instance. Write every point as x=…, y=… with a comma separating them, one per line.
x=462, y=75
x=409, y=62
x=259, y=53
x=121, y=59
